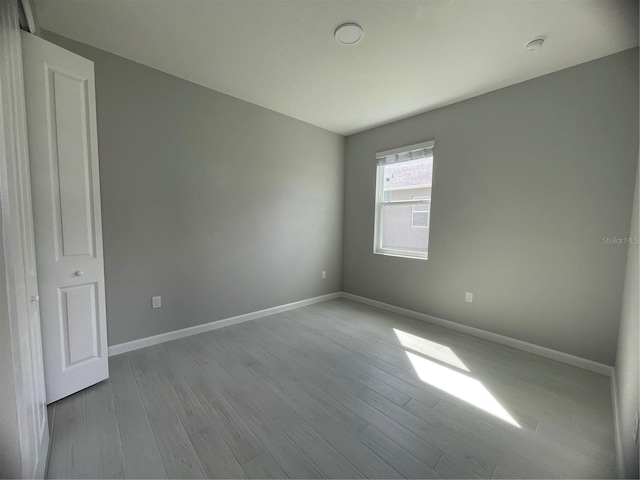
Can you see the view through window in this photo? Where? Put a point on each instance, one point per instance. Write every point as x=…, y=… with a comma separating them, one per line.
x=403, y=201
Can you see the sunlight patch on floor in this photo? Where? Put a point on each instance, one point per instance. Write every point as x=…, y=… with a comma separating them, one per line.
x=430, y=349
x=459, y=385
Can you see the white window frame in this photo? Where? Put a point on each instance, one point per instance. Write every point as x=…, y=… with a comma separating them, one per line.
x=427, y=199
x=380, y=203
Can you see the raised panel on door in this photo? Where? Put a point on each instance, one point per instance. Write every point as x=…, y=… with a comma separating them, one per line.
x=71, y=165
x=61, y=116
x=79, y=324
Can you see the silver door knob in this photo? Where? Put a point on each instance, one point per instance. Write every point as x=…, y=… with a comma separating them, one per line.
x=34, y=299
x=78, y=273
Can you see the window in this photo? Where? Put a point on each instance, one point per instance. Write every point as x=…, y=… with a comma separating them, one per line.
x=420, y=213
x=403, y=201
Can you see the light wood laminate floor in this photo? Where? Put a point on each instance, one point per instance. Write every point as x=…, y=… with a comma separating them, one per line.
x=335, y=390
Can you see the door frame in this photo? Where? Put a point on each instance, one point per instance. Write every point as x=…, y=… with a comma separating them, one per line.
x=22, y=459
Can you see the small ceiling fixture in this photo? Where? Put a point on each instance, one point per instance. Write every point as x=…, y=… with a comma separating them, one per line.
x=348, y=33
x=535, y=43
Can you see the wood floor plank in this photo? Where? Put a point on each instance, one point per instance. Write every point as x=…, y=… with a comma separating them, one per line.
x=412, y=443
x=234, y=362
x=214, y=454
x=458, y=448
x=140, y=451
x=154, y=398
x=449, y=468
x=302, y=434
x=354, y=339
x=183, y=400
x=189, y=357
x=238, y=437
x=238, y=359
x=126, y=397
x=183, y=359
x=141, y=455
x=396, y=378
x=485, y=357
x=327, y=391
x=516, y=449
x=177, y=453
x=369, y=376
x=332, y=464
x=104, y=450
x=263, y=466
x=502, y=473
x=598, y=447
x=495, y=440
x=286, y=454
x=334, y=423
x=353, y=373
x=399, y=434
x=294, y=390
x=68, y=457
x=327, y=422
x=376, y=320
x=270, y=337
x=404, y=462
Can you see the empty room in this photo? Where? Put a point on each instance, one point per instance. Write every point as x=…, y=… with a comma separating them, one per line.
x=319, y=239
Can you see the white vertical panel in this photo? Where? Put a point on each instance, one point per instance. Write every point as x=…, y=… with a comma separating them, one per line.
x=26, y=436
x=79, y=315
x=72, y=197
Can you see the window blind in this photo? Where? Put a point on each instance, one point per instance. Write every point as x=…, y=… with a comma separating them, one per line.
x=405, y=154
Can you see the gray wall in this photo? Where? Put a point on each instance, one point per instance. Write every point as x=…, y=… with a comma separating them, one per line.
x=219, y=206
x=627, y=359
x=527, y=182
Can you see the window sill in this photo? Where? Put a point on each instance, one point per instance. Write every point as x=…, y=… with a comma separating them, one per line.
x=402, y=254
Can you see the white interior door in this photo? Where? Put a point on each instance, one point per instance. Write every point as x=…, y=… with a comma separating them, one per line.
x=61, y=122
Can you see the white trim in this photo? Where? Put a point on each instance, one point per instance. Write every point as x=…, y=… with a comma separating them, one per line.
x=493, y=337
x=185, y=332
x=406, y=202
x=409, y=148
x=476, y=332
x=31, y=434
x=616, y=427
x=412, y=254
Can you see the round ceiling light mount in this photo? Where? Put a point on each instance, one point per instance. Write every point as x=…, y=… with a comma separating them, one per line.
x=348, y=33
x=535, y=43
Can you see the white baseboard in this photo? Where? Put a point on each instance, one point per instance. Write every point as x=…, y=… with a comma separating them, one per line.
x=185, y=332
x=476, y=332
x=494, y=337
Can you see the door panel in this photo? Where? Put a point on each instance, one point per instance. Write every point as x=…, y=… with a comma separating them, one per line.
x=79, y=315
x=61, y=119
x=67, y=100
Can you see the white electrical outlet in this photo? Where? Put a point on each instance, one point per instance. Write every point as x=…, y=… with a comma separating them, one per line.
x=468, y=297
x=324, y=274
x=156, y=302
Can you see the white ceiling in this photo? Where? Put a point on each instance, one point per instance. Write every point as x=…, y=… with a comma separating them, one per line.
x=415, y=55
